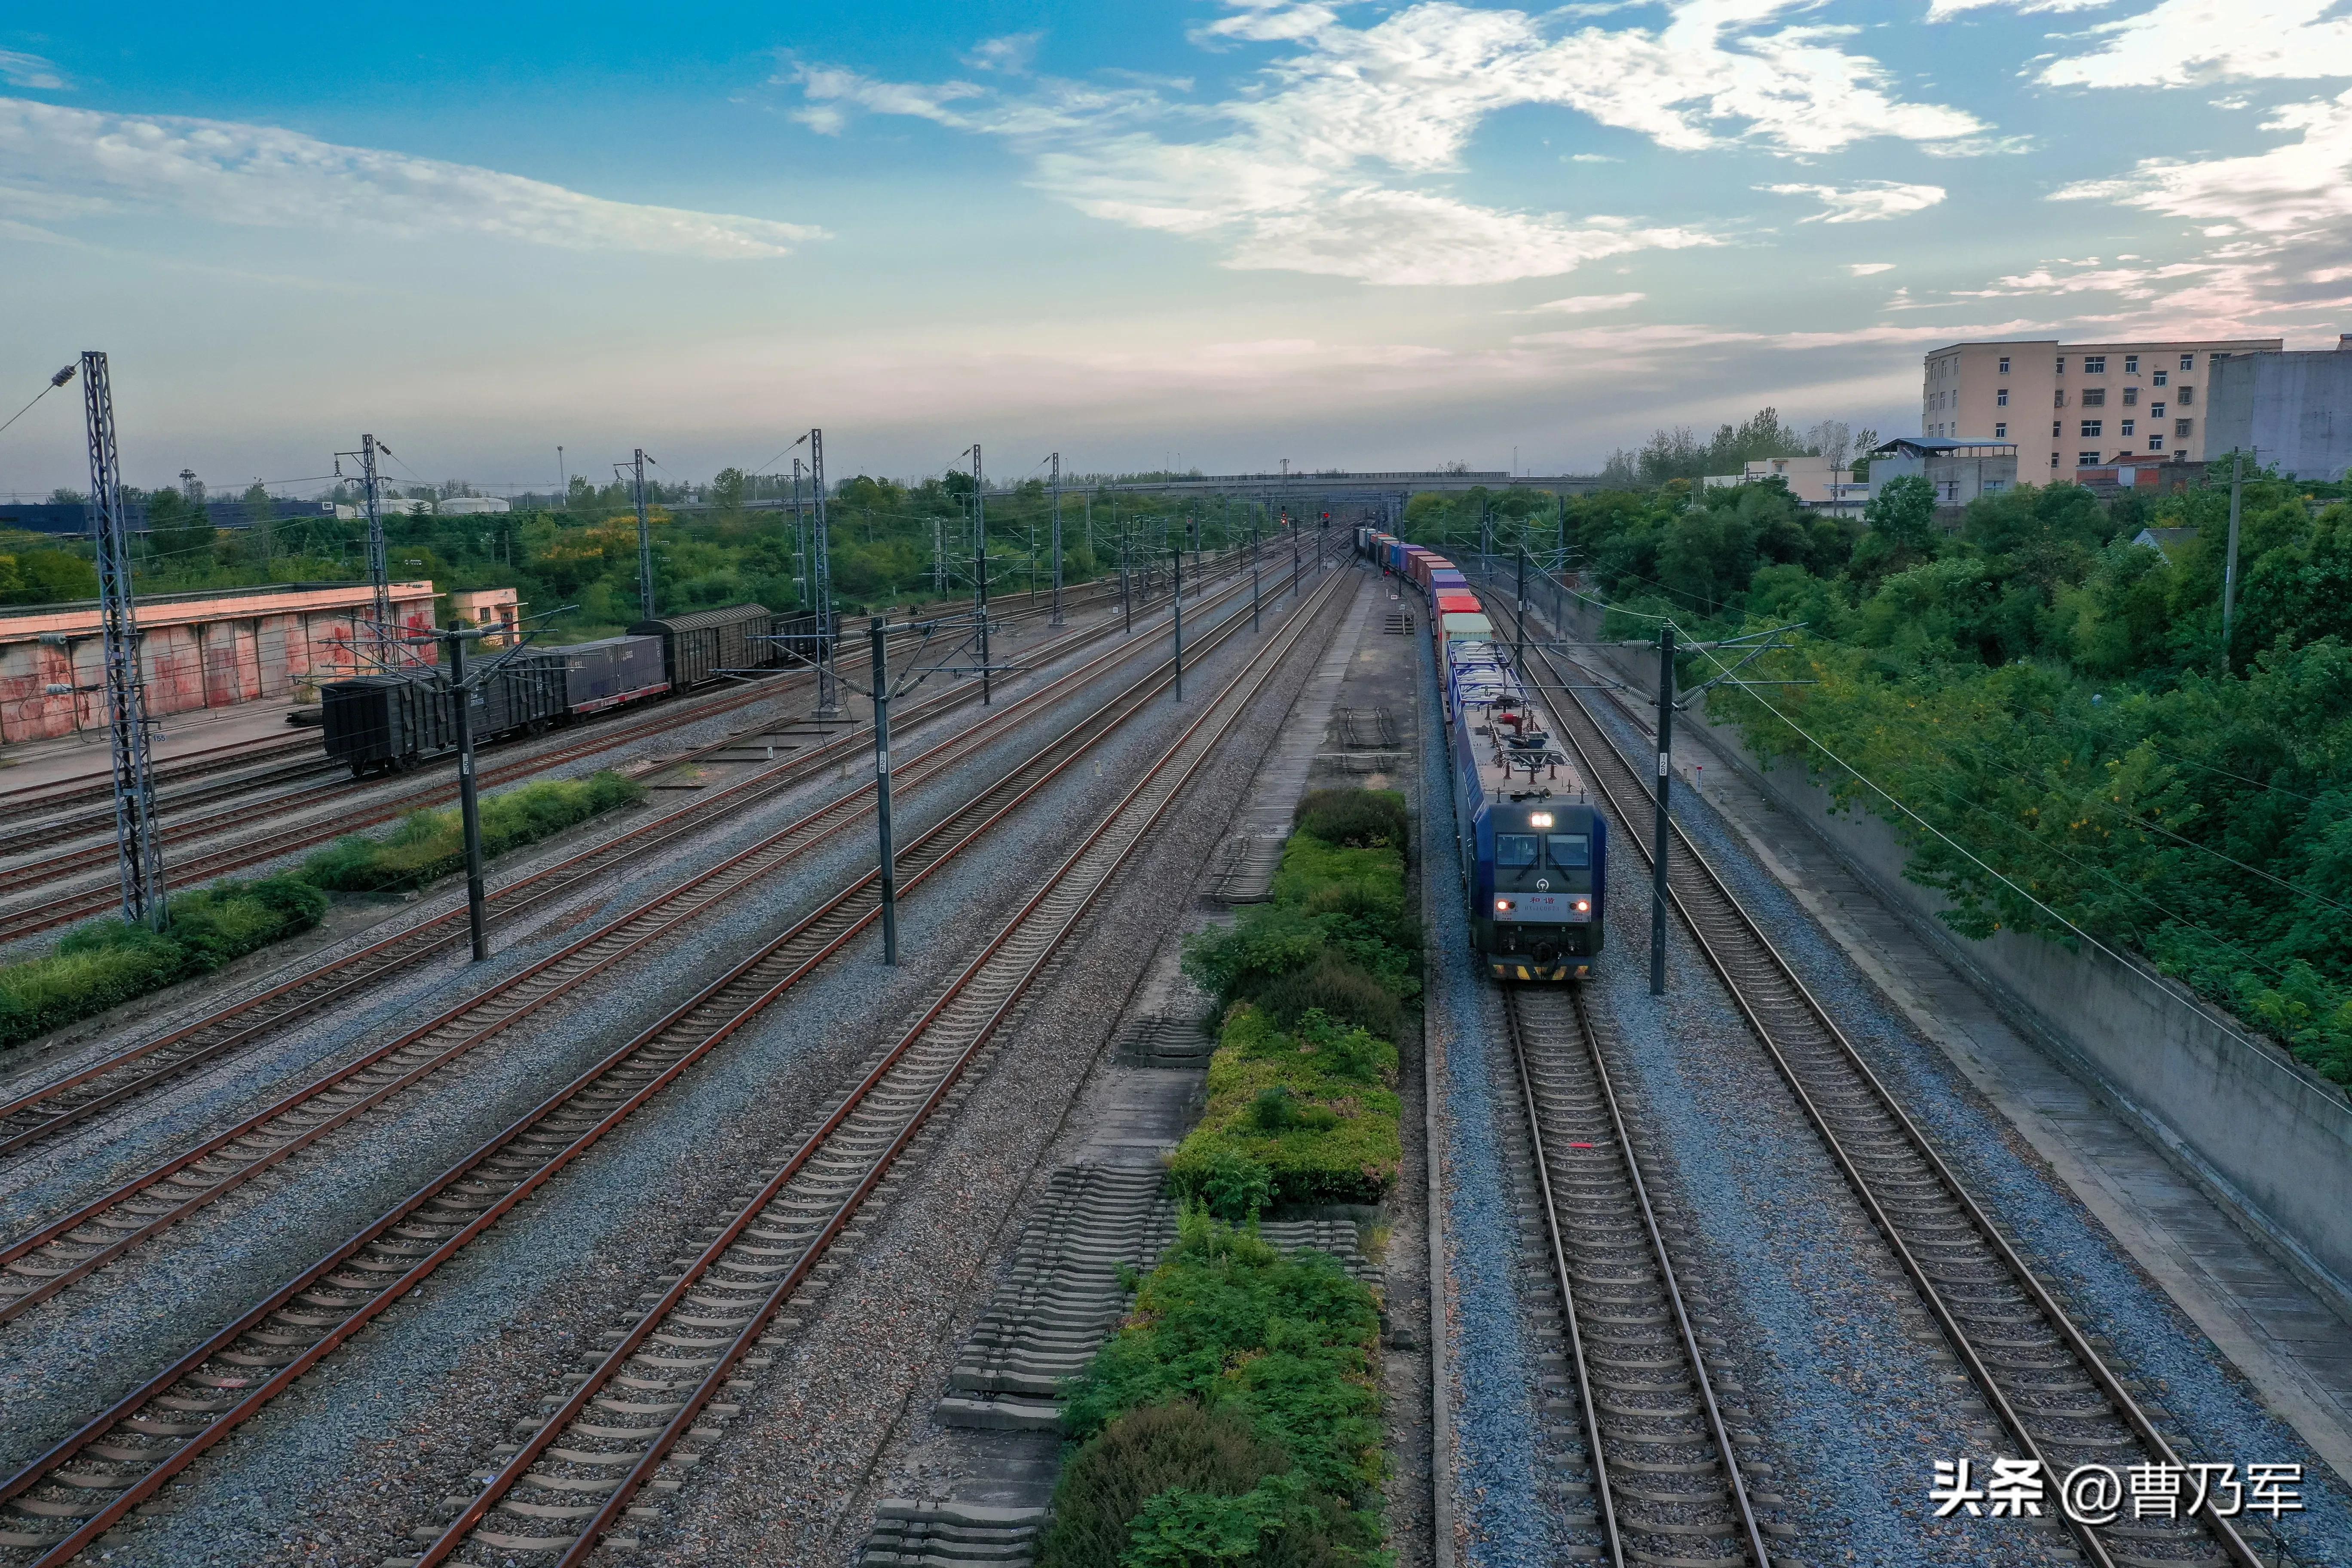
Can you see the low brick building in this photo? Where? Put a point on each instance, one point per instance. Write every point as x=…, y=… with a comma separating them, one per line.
x=207, y=650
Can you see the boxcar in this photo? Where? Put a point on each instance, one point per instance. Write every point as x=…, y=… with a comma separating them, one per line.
x=795, y=638
x=610, y=672
x=703, y=646
x=378, y=721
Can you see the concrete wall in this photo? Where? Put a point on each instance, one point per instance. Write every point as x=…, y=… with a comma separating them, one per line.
x=2268, y=1138
x=2291, y=409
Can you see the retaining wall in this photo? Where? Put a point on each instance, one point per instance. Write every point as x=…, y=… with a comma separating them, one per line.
x=2268, y=1138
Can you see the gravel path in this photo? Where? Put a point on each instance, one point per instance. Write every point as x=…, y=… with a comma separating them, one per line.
x=362, y=1450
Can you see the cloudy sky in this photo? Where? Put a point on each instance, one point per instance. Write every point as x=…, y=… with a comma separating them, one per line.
x=1236, y=230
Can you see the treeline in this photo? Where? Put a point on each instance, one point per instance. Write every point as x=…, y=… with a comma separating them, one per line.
x=1677, y=453
x=891, y=544
x=2055, y=701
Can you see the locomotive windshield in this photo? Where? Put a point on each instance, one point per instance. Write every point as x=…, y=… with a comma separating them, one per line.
x=1515, y=850
x=1570, y=851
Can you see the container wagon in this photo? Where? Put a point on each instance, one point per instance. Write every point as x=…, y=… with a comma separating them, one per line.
x=703, y=646
x=375, y=724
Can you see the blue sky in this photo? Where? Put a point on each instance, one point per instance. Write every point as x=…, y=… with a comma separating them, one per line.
x=1371, y=235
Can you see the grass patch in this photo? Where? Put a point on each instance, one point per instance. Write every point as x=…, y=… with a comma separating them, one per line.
x=1310, y=1106
x=109, y=963
x=1234, y=1419
x=429, y=845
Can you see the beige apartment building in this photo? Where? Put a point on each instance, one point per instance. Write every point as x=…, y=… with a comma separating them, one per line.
x=2098, y=402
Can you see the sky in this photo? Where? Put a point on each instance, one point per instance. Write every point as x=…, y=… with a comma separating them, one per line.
x=1217, y=233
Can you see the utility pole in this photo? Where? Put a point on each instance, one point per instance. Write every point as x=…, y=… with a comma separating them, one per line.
x=562, y=485
x=829, y=701
x=469, y=811
x=1057, y=539
x=799, y=540
x=980, y=566
x=1254, y=541
x=1519, y=621
x=2230, y=567
x=1195, y=521
x=644, y=540
x=138, y=847
x=379, y=569
x=1293, y=553
x=1177, y=556
x=882, y=795
x=1125, y=581
x=1665, y=785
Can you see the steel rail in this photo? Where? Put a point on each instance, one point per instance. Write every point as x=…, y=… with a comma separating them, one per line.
x=92, y=901
x=58, y=829
x=45, y=1262
x=1576, y=1086
x=1775, y=1022
x=725, y=1316
x=163, y=1427
x=50, y=1107
x=186, y=765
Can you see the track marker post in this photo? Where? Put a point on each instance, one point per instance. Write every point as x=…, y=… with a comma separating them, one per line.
x=1665, y=787
x=1177, y=600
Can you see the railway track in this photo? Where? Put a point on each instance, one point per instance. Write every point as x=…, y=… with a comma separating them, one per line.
x=2056, y=1397
x=63, y=829
x=39, y=1112
x=1661, y=1462
x=187, y=765
x=69, y=1496
x=99, y=899
x=51, y=1258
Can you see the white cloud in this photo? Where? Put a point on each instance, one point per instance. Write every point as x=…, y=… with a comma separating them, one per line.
x=2177, y=43
x=1583, y=305
x=1865, y=203
x=19, y=70
x=58, y=161
x=1869, y=268
x=1593, y=158
x=1012, y=53
x=1331, y=157
x=2291, y=188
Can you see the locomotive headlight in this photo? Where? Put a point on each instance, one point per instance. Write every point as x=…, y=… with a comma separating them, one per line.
x=1501, y=904
x=1540, y=819
x=1584, y=906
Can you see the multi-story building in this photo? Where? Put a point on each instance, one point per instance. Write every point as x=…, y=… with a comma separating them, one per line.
x=2290, y=411
x=2100, y=402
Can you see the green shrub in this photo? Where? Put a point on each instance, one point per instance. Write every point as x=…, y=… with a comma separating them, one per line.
x=429, y=845
x=1339, y=990
x=1355, y=818
x=108, y=962
x=1310, y=1106
x=1234, y=1418
x=1141, y=1454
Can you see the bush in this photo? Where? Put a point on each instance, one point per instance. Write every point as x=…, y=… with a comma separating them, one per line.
x=1338, y=989
x=1355, y=818
x=1143, y=1453
x=108, y=962
x=429, y=845
x=1309, y=1108
x=1236, y=1417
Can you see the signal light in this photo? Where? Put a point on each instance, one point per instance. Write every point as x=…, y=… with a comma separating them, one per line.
x=1584, y=906
x=1502, y=904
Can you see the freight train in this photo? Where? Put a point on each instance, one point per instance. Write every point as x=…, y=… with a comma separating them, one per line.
x=1535, y=849
x=390, y=722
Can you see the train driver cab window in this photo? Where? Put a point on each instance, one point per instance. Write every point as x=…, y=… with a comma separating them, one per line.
x=1515, y=851
x=1570, y=851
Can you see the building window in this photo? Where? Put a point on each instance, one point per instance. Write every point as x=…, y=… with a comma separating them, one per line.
x=2188, y=362
x=2054, y=459
x=2156, y=443
x=2061, y=364
x=2001, y=432
x=2093, y=427
x=2086, y=460
x=2057, y=429
x=2183, y=427
x=1951, y=495
x=2058, y=398
x=2001, y=398
x=2094, y=397
x=2156, y=411
x=2095, y=365
x=2125, y=427
x=2162, y=378
x=2188, y=395
x=2131, y=364
x=2131, y=396
x=2004, y=364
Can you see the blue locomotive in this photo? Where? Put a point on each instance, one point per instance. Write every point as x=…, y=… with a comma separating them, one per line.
x=1535, y=849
